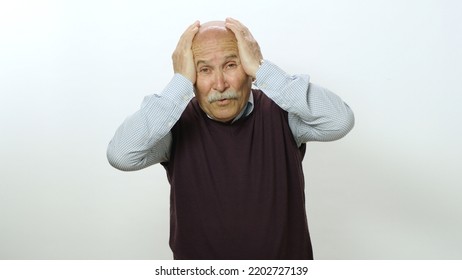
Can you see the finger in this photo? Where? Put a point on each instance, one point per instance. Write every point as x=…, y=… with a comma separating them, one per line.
x=234, y=21
x=187, y=37
x=239, y=30
x=233, y=25
x=193, y=27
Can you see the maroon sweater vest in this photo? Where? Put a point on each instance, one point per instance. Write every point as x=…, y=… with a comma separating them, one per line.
x=237, y=190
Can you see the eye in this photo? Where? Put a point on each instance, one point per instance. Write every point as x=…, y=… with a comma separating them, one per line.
x=231, y=65
x=204, y=70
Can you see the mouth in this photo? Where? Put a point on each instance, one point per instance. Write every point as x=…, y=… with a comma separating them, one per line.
x=223, y=102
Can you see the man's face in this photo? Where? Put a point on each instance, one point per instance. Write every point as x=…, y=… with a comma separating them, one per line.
x=222, y=86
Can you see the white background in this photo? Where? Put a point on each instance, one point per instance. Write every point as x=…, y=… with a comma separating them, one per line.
x=71, y=71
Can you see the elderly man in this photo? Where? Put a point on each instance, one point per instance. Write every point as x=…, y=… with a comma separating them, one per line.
x=233, y=154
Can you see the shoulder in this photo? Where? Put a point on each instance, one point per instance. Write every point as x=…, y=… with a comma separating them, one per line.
x=192, y=110
x=263, y=103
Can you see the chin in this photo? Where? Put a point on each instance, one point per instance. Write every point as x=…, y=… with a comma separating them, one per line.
x=224, y=117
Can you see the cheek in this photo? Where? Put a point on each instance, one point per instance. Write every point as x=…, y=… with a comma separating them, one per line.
x=202, y=88
x=238, y=80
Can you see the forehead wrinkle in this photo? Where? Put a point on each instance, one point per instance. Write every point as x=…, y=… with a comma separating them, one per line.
x=214, y=43
x=226, y=59
x=207, y=51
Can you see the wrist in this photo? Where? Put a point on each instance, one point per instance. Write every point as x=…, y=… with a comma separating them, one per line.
x=260, y=63
x=255, y=68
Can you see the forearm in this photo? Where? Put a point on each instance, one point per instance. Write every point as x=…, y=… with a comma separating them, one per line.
x=143, y=139
x=315, y=113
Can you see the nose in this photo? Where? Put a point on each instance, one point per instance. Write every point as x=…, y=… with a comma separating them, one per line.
x=220, y=84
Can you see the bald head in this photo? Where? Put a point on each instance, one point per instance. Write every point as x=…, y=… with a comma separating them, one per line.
x=213, y=35
x=212, y=28
x=217, y=24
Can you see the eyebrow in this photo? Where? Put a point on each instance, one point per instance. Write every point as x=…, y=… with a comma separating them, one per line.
x=228, y=57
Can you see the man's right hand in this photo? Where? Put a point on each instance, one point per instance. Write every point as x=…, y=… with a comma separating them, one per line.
x=183, y=59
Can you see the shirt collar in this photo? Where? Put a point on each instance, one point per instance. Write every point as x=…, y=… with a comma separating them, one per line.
x=248, y=108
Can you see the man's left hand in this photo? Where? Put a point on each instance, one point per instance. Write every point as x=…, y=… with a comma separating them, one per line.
x=249, y=50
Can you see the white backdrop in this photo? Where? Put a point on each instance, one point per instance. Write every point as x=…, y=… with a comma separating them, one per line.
x=71, y=71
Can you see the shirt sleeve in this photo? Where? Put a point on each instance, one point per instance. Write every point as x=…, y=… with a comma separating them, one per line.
x=144, y=138
x=315, y=113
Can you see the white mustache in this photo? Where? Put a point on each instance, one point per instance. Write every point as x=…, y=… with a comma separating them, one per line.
x=216, y=96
